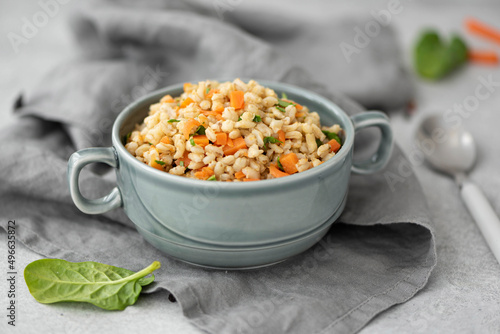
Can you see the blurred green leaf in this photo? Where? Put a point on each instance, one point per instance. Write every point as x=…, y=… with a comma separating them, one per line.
x=434, y=59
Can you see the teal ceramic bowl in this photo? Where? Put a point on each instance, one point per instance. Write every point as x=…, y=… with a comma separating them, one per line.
x=231, y=224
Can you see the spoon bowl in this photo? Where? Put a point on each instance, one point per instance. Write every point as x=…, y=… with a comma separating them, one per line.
x=452, y=150
x=448, y=149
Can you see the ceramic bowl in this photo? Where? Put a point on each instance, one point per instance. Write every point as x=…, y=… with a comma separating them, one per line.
x=196, y=220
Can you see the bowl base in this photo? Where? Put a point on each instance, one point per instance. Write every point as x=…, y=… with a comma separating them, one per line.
x=236, y=258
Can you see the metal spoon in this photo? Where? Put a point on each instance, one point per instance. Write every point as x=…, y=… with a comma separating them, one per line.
x=452, y=150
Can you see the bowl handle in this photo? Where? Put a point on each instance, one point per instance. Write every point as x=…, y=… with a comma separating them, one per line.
x=76, y=162
x=381, y=157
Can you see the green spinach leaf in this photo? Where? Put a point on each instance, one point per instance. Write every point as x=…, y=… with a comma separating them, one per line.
x=434, y=59
x=105, y=286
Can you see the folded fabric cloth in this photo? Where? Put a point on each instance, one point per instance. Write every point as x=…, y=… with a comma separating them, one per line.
x=381, y=251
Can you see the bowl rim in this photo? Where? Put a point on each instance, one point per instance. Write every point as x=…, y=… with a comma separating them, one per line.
x=292, y=180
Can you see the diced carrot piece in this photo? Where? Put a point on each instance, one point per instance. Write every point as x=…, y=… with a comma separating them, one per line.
x=219, y=109
x=156, y=165
x=297, y=106
x=184, y=159
x=221, y=139
x=203, y=120
x=281, y=136
x=187, y=85
x=230, y=142
x=246, y=180
x=208, y=113
x=211, y=93
x=204, y=173
x=289, y=161
x=480, y=29
x=274, y=170
x=201, y=140
x=239, y=175
x=189, y=125
x=334, y=145
x=186, y=102
x=239, y=143
x=165, y=140
x=483, y=57
x=299, y=114
x=167, y=99
x=237, y=99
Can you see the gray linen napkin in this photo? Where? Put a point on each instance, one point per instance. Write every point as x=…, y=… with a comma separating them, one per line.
x=381, y=251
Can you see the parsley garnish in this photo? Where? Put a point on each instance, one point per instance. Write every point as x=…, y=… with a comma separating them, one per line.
x=126, y=137
x=239, y=119
x=150, y=143
x=159, y=162
x=173, y=120
x=257, y=118
x=333, y=135
x=207, y=90
x=271, y=140
x=280, y=108
x=285, y=104
x=212, y=178
x=283, y=96
x=280, y=166
x=192, y=141
x=318, y=142
x=200, y=130
x=181, y=163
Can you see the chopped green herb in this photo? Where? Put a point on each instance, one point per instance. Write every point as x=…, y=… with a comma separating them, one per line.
x=280, y=108
x=257, y=118
x=200, y=130
x=271, y=140
x=285, y=104
x=173, y=120
x=212, y=178
x=207, y=90
x=283, y=96
x=181, y=163
x=150, y=143
x=333, y=135
x=280, y=166
x=239, y=119
x=192, y=141
x=159, y=162
x=318, y=142
x=126, y=137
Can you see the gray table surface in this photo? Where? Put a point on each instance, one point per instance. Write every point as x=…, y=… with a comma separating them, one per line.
x=463, y=293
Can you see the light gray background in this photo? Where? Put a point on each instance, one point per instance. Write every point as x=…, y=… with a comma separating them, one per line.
x=463, y=293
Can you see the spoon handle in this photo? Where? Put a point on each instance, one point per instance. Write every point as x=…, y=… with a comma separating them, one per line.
x=484, y=215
